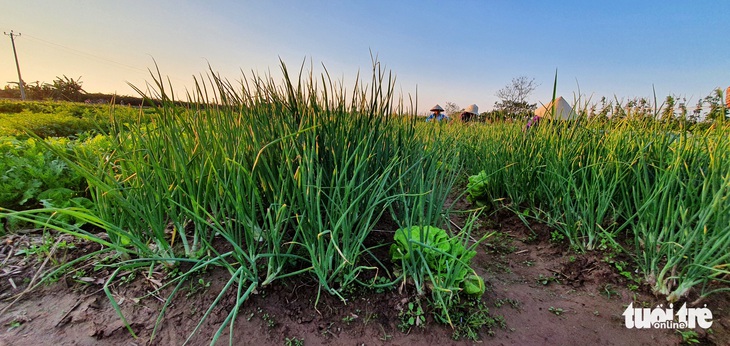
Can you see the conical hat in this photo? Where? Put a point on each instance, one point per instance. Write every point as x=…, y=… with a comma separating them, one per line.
x=473, y=109
x=563, y=110
x=436, y=108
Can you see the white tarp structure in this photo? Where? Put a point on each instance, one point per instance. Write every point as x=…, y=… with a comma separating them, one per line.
x=563, y=110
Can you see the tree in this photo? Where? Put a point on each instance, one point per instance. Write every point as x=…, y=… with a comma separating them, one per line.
x=514, y=97
x=668, y=110
x=67, y=89
x=717, y=112
x=451, y=108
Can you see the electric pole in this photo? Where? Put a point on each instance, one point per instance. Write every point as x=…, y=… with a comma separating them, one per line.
x=20, y=79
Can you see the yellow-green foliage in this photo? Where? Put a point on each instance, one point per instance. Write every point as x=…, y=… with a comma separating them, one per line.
x=61, y=119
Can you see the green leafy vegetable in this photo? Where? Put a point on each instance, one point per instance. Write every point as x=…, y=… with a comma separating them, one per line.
x=476, y=189
x=445, y=256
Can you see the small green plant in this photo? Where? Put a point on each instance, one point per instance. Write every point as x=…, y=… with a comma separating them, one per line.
x=411, y=315
x=546, y=280
x=197, y=287
x=445, y=256
x=514, y=303
x=471, y=316
x=269, y=320
x=556, y=311
x=500, y=243
x=349, y=319
x=504, y=268
x=530, y=238
x=382, y=285
x=688, y=336
x=43, y=250
x=557, y=237
x=624, y=270
x=129, y=277
x=609, y=291
x=294, y=341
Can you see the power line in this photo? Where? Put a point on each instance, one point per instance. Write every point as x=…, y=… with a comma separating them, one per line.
x=82, y=53
x=20, y=79
x=89, y=55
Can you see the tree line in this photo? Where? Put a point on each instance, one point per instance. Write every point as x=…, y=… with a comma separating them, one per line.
x=65, y=89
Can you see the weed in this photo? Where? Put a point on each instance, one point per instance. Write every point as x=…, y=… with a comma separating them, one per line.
x=15, y=324
x=471, y=316
x=78, y=275
x=411, y=316
x=623, y=269
x=294, y=341
x=382, y=285
x=500, y=243
x=556, y=311
x=43, y=250
x=129, y=277
x=197, y=287
x=503, y=267
x=514, y=303
x=556, y=237
x=530, y=238
x=688, y=336
x=546, y=280
x=269, y=320
x=349, y=319
x=609, y=291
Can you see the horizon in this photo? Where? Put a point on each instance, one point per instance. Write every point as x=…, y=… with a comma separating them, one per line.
x=618, y=50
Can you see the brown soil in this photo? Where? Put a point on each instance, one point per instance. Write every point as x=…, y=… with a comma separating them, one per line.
x=545, y=294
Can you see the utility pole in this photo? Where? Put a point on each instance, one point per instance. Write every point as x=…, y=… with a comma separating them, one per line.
x=20, y=79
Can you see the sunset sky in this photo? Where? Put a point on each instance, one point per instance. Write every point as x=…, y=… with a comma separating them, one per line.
x=449, y=51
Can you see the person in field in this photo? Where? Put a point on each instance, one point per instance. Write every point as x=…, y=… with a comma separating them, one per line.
x=437, y=113
x=470, y=113
x=532, y=122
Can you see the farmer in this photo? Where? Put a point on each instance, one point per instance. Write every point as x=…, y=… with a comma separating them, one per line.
x=470, y=113
x=437, y=114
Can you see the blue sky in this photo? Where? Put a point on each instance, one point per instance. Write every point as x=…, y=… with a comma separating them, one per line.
x=449, y=51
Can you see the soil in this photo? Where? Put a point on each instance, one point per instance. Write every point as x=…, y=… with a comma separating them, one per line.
x=543, y=294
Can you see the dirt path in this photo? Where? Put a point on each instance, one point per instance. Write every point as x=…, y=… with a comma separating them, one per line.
x=545, y=295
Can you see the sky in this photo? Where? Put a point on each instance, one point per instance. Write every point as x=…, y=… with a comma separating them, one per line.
x=439, y=51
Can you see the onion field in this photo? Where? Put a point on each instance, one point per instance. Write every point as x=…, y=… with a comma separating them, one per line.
x=272, y=180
